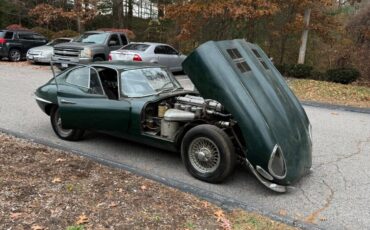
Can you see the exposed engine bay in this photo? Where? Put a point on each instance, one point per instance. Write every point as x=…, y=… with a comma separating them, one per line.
x=166, y=118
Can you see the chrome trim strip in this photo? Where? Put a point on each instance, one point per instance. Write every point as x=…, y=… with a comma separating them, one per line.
x=263, y=173
x=276, y=147
x=268, y=184
x=42, y=100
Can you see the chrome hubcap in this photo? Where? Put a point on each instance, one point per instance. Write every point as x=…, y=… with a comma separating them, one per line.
x=15, y=55
x=204, y=155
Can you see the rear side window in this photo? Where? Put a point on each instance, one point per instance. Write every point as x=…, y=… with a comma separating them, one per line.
x=160, y=50
x=138, y=47
x=25, y=36
x=123, y=39
x=39, y=37
x=8, y=35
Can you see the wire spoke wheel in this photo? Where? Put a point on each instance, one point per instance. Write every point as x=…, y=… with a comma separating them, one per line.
x=61, y=131
x=208, y=153
x=204, y=155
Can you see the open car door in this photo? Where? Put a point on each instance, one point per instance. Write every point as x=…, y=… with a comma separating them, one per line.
x=84, y=104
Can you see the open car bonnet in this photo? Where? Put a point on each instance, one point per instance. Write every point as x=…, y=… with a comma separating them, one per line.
x=274, y=125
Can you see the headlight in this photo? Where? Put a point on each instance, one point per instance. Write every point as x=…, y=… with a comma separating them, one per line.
x=86, y=53
x=277, y=164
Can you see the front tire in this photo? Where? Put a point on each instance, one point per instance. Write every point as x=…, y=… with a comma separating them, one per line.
x=208, y=153
x=15, y=55
x=65, y=134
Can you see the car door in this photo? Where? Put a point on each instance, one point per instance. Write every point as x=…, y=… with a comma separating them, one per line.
x=27, y=40
x=175, y=58
x=84, y=105
x=114, y=42
x=38, y=40
x=166, y=56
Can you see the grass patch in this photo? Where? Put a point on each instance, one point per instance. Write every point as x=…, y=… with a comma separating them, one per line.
x=332, y=93
x=243, y=220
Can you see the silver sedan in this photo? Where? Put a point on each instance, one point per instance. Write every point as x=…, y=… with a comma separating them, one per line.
x=160, y=53
x=42, y=54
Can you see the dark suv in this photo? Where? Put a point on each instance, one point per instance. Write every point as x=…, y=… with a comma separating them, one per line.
x=14, y=44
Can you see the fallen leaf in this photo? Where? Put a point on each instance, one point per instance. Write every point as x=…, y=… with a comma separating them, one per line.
x=15, y=215
x=205, y=204
x=113, y=204
x=219, y=215
x=336, y=114
x=283, y=212
x=60, y=160
x=82, y=219
x=56, y=180
x=37, y=227
x=143, y=187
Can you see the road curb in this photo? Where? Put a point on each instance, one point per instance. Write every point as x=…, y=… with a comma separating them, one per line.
x=215, y=198
x=336, y=107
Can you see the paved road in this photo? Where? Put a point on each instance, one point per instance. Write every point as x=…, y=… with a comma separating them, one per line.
x=334, y=196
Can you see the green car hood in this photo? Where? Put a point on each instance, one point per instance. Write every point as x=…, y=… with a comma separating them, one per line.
x=240, y=75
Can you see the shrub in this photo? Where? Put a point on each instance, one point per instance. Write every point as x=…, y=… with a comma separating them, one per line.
x=65, y=33
x=283, y=68
x=317, y=75
x=300, y=71
x=343, y=75
x=47, y=33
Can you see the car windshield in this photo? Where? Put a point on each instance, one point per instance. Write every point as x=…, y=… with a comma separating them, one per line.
x=98, y=38
x=135, y=46
x=147, y=82
x=57, y=41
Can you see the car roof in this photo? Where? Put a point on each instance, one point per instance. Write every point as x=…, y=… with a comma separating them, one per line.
x=125, y=65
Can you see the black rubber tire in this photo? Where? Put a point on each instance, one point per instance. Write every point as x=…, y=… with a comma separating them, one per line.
x=11, y=55
x=74, y=135
x=95, y=59
x=224, y=145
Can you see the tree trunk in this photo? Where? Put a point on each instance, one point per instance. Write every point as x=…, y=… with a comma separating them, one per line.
x=302, y=50
x=130, y=14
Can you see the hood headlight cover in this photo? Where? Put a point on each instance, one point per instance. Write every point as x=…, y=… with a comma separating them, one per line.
x=86, y=53
x=277, y=165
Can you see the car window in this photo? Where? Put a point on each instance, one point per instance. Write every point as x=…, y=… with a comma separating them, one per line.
x=25, y=36
x=147, y=81
x=114, y=38
x=160, y=50
x=87, y=78
x=39, y=37
x=98, y=38
x=123, y=39
x=135, y=46
x=170, y=50
x=79, y=77
x=8, y=35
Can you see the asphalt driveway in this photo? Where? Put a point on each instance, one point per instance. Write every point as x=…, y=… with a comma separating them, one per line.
x=334, y=196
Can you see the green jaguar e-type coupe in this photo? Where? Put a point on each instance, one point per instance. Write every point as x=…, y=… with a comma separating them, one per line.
x=244, y=111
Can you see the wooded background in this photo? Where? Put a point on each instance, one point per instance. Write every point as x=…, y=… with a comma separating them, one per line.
x=338, y=30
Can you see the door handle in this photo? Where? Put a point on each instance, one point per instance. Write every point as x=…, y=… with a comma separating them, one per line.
x=67, y=102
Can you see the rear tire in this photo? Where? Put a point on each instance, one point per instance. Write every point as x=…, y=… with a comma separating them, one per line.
x=208, y=153
x=65, y=134
x=14, y=55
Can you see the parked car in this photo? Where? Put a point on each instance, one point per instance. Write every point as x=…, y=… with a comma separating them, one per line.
x=43, y=53
x=244, y=111
x=14, y=44
x=162, y=54
x=90, y=46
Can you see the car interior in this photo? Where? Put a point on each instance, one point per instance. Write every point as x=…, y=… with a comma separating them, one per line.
x=108, y=78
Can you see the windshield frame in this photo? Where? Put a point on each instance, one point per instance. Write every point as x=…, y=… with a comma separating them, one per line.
x=175, y=84
x=86, y=35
